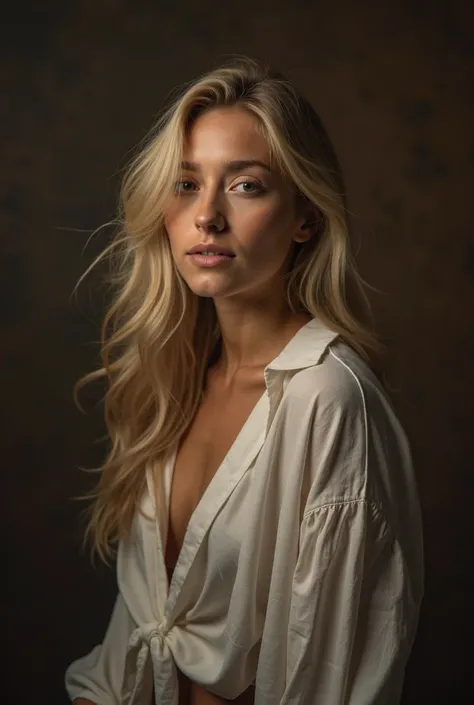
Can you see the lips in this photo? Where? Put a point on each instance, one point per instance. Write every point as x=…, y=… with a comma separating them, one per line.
x=212, y=249
x=213, y=261
x=212, y=253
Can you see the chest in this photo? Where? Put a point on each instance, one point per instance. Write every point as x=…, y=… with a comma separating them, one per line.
x=217, y=423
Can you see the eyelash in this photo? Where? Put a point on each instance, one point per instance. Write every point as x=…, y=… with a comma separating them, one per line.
x=257, y=188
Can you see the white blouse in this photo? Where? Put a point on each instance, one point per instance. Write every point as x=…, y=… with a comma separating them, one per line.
x=301, y=570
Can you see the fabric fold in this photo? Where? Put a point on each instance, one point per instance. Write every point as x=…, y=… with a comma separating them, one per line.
x=148, y=646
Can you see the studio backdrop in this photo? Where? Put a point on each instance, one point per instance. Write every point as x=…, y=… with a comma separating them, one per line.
x=82, y=83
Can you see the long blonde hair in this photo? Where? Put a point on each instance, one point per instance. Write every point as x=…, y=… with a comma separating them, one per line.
x=154, y=355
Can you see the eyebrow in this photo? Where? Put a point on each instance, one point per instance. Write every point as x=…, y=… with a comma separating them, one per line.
x=230, y=167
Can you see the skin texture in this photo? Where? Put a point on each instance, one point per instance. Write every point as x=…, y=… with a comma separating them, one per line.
x=254, y=211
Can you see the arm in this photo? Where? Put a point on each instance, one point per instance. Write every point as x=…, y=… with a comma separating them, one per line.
x=357, y=584
x=352, y=616
x=97, y=678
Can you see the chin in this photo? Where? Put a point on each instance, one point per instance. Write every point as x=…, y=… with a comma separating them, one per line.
x=206, y=291
x=204, y=294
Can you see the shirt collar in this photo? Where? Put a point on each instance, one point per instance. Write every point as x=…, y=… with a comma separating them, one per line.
x=306, y=348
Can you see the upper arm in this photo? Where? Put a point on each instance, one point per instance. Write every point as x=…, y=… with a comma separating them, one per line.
x=328, y=414
x=356, y=586
x=352, y=615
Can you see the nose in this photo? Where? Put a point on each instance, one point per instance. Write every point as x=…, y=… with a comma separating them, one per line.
x=209, y=218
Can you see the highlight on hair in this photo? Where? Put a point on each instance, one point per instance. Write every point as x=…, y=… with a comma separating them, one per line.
x=158, y=337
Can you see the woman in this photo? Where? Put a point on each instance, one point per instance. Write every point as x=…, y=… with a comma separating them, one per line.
x=259, y=485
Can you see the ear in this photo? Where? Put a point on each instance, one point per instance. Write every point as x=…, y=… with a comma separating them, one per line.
x=311, y=223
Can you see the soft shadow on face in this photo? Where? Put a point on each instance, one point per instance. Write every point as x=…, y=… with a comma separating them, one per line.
x=223, y=199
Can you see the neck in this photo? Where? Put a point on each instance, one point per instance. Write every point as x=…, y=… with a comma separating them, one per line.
x=253, y=336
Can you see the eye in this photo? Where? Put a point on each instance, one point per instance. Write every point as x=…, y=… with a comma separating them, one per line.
x=184, y=186
x=250, y=187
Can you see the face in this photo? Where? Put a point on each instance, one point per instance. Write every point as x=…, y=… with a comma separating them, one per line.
x=229, y=195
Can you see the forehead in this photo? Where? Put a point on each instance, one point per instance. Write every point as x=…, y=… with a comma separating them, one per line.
x=223, y=134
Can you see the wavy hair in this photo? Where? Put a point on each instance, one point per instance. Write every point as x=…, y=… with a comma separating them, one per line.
x=154, y=354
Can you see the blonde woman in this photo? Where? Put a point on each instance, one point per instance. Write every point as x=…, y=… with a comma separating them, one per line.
x=258, y=486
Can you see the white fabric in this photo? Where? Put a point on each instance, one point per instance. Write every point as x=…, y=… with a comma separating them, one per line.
x=301, y=570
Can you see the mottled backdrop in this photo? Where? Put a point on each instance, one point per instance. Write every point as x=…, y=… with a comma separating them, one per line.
x=81, y=83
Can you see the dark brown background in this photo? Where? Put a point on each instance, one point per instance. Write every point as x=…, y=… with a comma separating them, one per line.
x=393, y=82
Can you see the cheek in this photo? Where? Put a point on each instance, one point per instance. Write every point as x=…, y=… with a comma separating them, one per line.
x=266, y=225
x=173, y=225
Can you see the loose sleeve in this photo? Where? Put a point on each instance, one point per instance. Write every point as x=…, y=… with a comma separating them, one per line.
x=352, y=617
x=98, y=676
